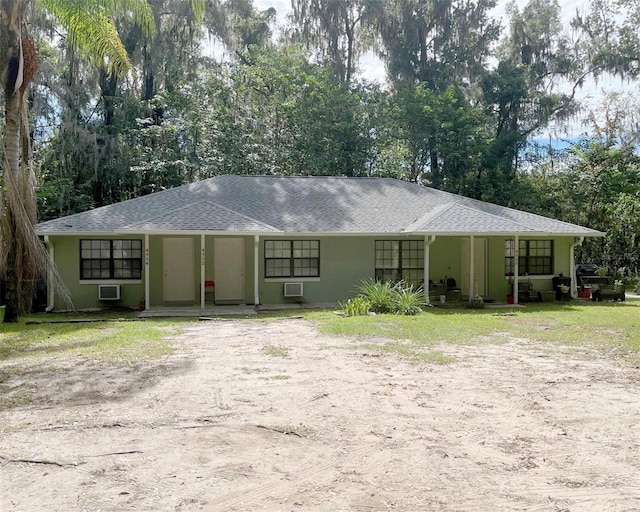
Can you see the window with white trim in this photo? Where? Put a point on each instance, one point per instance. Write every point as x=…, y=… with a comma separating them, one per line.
x=291, y=258
x=110, y=259
x=400, y=260
x=535, y=257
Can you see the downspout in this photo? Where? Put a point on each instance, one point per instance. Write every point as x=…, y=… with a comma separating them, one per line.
x=147, y=285
x=202, y=271
x=516, y=268
x=256, y=270
x=472, y=268
x=50, y=290
x=428, y=240
x=572, y=266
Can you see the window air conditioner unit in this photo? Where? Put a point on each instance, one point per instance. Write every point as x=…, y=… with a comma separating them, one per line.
x=293, y=289
x=109, y=292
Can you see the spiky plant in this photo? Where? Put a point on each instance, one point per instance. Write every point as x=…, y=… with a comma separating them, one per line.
x=408, y=299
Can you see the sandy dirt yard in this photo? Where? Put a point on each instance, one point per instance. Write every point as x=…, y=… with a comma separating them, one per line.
x=254, y=415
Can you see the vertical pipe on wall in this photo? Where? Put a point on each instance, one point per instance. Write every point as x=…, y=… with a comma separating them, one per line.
x=202, y=270
x=50, y=290
x=256, y=270
x=472, y=268
x=516, y=267
x=147, y=297
x=572, y=266
x=428, y=240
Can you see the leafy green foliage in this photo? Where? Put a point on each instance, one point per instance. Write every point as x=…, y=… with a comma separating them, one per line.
x=600, y=188
x=381, y=295
x=385, y=297
x=357, y=306
x=408, y=301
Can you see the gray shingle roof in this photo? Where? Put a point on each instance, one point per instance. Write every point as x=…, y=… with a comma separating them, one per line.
x=272, y=204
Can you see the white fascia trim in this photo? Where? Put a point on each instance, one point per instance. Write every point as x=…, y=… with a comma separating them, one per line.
x=528, y=234
x=389, y=234
x=289, y=234
x=110, y=281
x=84, y=234
x=291, y=279
x=196, y=233
x=538, y=277
x=264, y=234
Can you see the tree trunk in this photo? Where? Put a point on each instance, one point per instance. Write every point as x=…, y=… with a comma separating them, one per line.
x=11, y=313
x=108, y=89
x=436, y=179
x=12, y=170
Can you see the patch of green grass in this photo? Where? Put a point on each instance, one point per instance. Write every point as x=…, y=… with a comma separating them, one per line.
x=436, y=326
x=113, y=338
x=607, y=324
x=278, y=377
x=276, y=351
x=411, y=351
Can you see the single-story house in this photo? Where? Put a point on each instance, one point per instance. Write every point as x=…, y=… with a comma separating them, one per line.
x=267, y=240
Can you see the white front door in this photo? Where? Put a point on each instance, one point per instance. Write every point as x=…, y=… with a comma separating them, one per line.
x=228, y=269
x=177, y=257
x=479, y=266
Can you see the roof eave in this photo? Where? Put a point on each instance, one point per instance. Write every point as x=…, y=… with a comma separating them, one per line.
x=594, y=234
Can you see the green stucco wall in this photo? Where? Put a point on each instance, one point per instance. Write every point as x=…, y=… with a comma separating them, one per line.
x=344, y=262
x=444, y=258
x=85, y=294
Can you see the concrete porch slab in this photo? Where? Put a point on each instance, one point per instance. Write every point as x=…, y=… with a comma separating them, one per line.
x=192, y=311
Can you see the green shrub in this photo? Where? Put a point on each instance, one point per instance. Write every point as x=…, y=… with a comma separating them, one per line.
x=358, y=306
x=408, y=301
x=385, y=297
x=633, y=284
x=380, y=295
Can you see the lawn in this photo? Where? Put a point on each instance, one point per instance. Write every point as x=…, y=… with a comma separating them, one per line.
x=121, y=338
x=114, y=337
x=609, y=325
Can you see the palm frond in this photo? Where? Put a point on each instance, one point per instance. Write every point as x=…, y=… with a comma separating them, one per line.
x=138, y=12
x=91, y=30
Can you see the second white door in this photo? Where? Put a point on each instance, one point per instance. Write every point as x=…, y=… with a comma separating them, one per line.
x=228, y=269
x=178, y=283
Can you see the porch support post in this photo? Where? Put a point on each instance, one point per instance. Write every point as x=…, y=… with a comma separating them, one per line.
x=516, y=268
x=428, y=240
x=256, y=270
x=147, y=298
x=572, y=266
x=202, y=270
x=472, y=268
x=50, y=288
